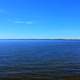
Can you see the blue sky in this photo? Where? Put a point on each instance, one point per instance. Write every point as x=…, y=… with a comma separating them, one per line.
x=39, y=19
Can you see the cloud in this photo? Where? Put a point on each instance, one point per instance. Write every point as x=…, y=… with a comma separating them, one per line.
x=29, y=22
x=2, y=11
x=23, y=22
x=20, y=22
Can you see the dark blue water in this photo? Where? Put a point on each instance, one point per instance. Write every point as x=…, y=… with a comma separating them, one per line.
x=39, y=58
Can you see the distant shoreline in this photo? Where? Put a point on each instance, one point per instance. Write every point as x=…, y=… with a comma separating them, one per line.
x=39, y=39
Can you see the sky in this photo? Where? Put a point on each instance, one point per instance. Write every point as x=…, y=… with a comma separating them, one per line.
x=39, y=19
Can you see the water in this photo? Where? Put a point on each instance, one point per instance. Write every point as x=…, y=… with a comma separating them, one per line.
x=39, y=58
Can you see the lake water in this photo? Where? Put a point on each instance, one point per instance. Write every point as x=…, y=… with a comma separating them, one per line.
x=39, y=58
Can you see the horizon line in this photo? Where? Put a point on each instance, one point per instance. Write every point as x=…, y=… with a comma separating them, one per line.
x=40, y=39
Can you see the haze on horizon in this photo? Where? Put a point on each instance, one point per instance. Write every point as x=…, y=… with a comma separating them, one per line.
x=39, y=19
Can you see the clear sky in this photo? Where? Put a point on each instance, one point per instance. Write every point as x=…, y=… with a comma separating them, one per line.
x=39, y=19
